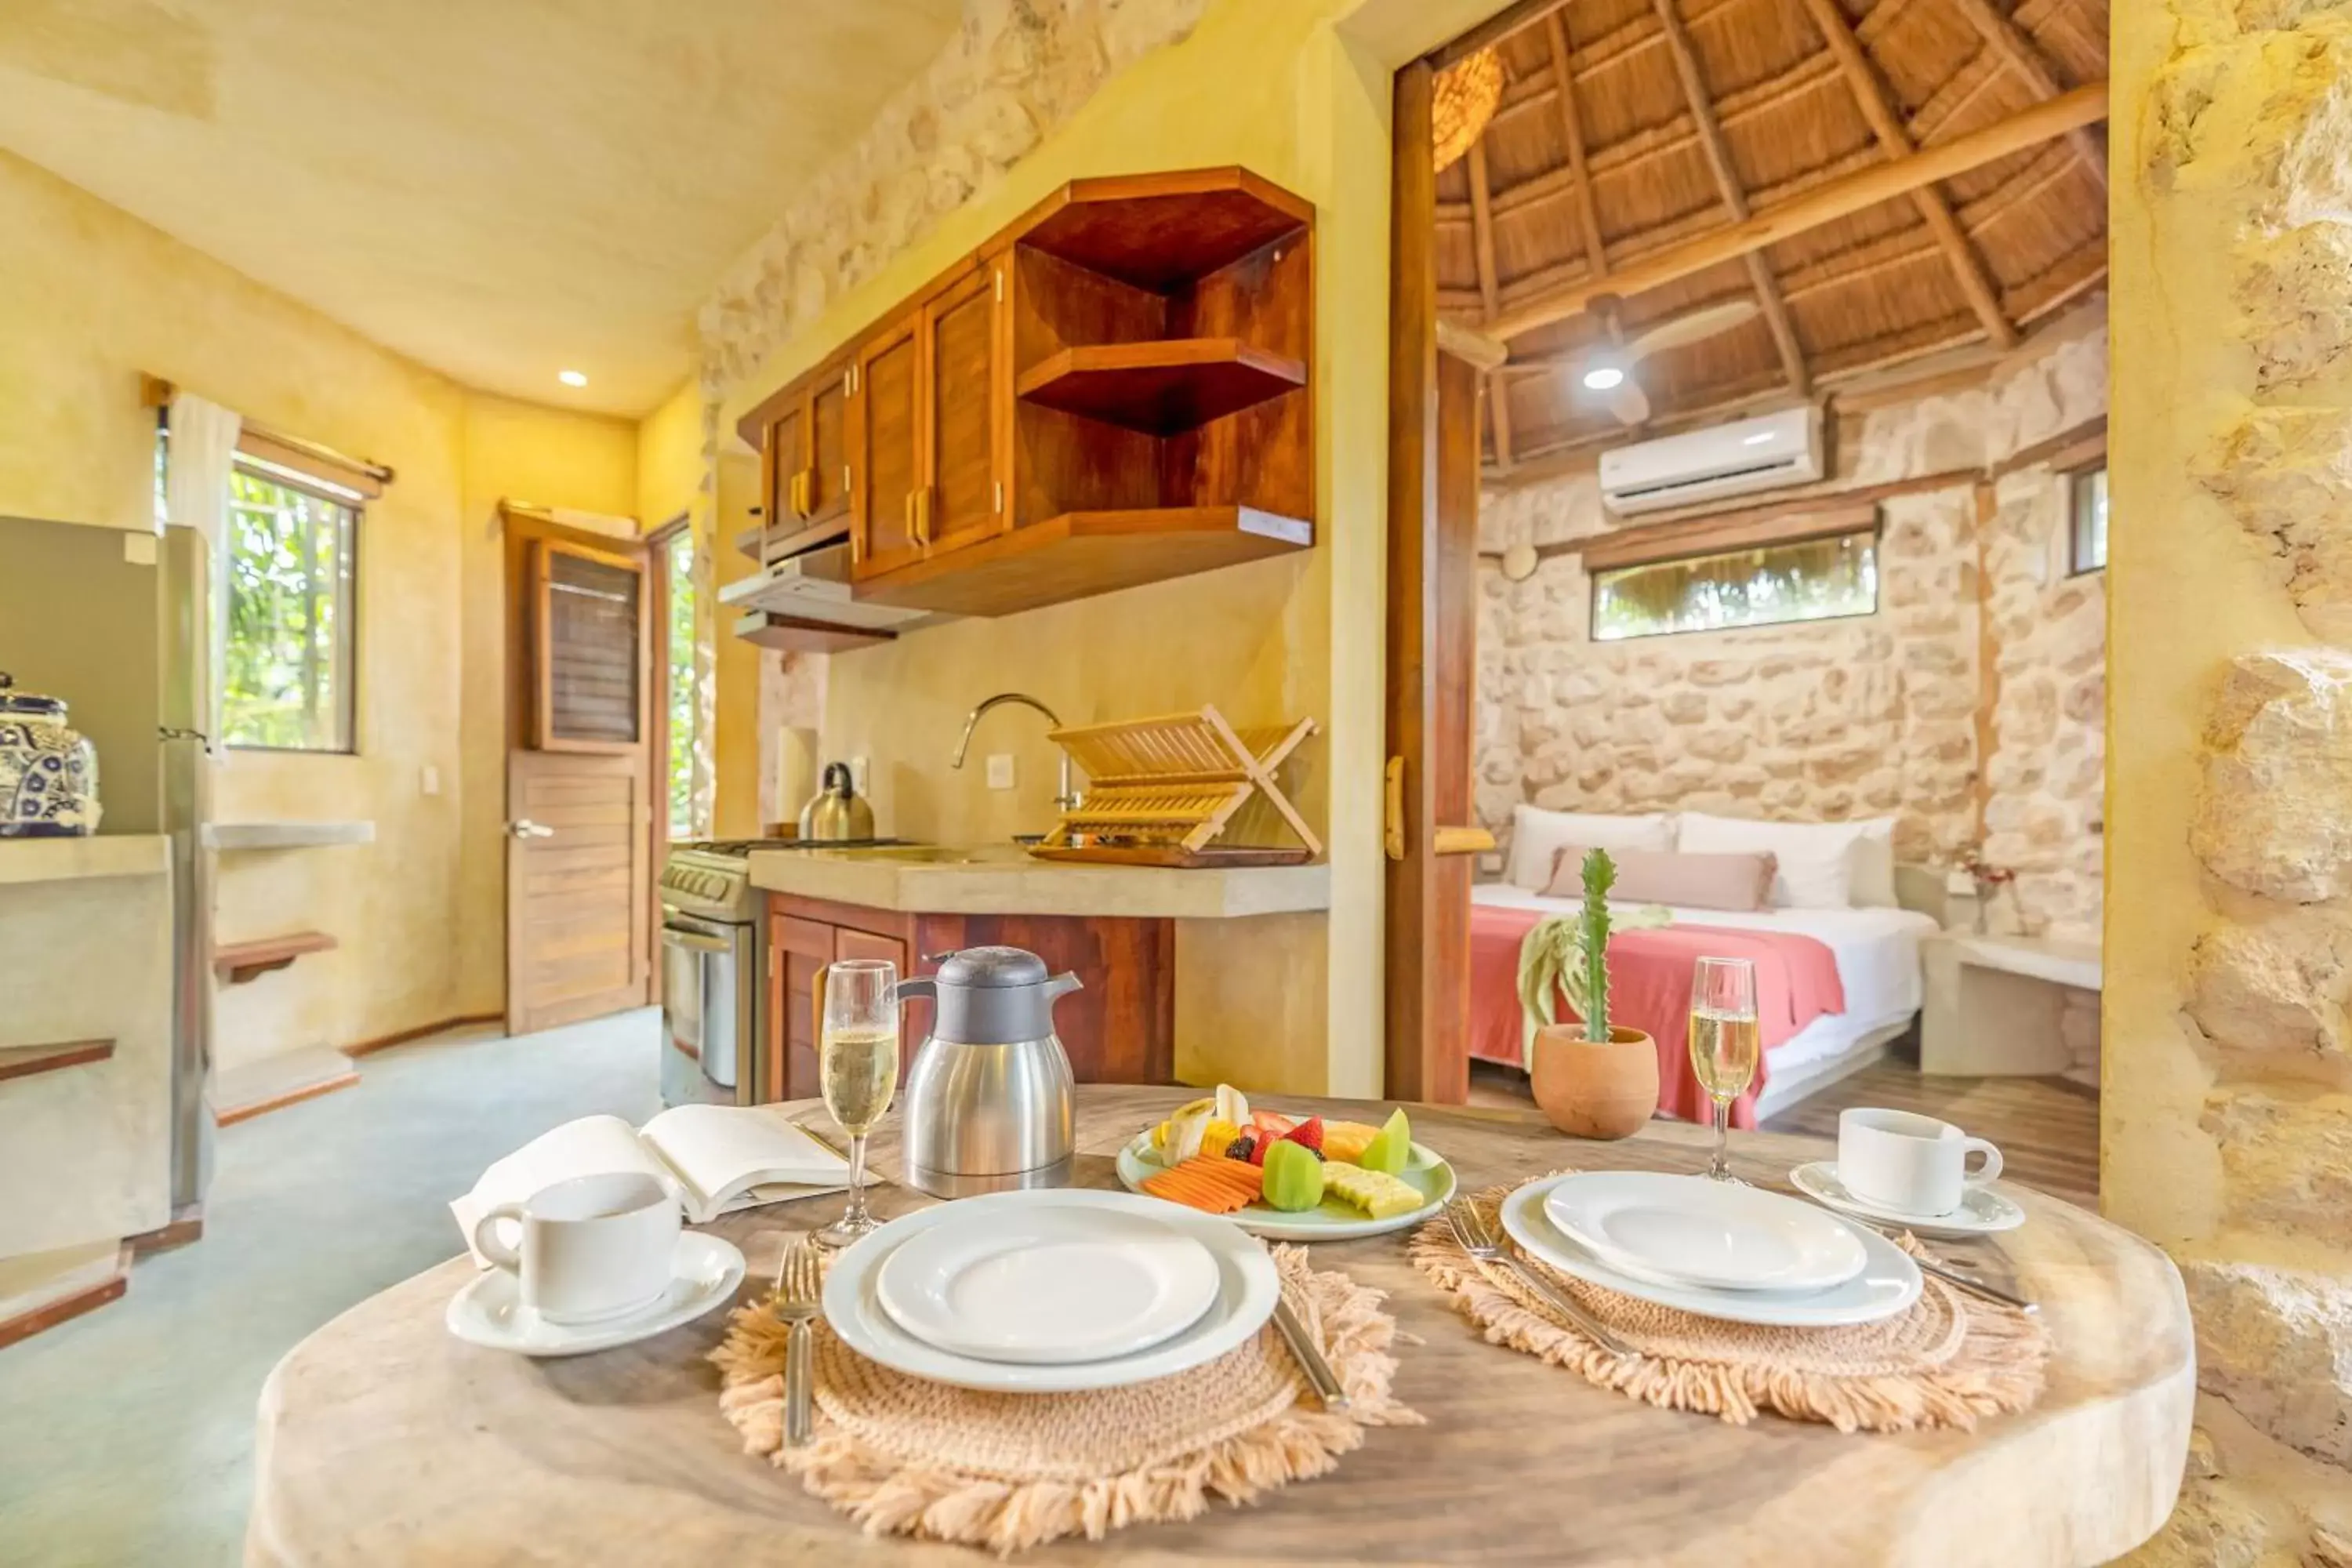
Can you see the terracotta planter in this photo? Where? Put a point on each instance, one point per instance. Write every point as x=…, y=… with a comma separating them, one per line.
x=1591, y=1091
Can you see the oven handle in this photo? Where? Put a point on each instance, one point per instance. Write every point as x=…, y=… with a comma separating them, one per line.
x=676, y=937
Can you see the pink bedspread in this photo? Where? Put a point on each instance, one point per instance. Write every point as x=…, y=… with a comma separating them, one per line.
x=1650, y=982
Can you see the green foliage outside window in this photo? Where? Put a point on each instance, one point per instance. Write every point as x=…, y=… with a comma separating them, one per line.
x=1814, y=580
x=287, y=683
x=685, y=712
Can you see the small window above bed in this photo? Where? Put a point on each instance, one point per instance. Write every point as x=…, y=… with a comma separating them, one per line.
x=1803, y=580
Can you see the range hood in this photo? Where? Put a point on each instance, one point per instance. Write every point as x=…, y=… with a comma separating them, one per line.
x=814, y=586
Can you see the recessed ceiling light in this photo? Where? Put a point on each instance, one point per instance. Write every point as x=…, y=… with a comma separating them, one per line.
x=573, y=377
x=1604, y=377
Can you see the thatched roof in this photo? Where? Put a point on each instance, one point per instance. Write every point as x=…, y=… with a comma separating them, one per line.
x=1795, y=100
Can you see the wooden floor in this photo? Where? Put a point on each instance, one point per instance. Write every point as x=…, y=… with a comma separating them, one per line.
x=2047, y=1129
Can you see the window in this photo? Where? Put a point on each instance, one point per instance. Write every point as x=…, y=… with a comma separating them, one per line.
x=1809, y=579
x=2086, y=511
x=287, y=684
x=681, y=697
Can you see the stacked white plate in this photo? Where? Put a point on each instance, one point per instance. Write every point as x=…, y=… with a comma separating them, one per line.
x=1051, y=1291
x=1712, y=1247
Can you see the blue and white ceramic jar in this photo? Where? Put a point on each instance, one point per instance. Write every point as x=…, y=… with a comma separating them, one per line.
x=48, y=774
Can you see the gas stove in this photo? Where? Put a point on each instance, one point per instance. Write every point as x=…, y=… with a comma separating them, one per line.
x=712, y=878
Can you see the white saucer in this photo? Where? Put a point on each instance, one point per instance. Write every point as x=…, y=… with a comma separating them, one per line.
x=1982, y=1211
x=1889, y=1281
x=1049, y=1286
x=1687, y=1230
x=1247, y=1288
x=704, y=1272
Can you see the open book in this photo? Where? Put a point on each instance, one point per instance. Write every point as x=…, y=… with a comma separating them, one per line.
x=715, y=1158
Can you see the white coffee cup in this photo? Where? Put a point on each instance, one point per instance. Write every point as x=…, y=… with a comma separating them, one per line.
x=1908, y=1163
x=591, y=1247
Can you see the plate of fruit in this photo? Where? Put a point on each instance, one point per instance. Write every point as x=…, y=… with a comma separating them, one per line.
x=1286, y=1178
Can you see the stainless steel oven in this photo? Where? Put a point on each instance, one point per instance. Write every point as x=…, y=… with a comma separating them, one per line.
x=711, y=976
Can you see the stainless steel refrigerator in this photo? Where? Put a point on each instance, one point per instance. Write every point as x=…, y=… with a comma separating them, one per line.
x=116, y=624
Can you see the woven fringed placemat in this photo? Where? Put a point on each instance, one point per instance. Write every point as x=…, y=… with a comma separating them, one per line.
x=904, y=1455
x=1948, y=1360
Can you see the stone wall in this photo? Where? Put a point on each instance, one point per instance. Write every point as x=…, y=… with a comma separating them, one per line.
x=2228, y=1113
x=1867, y=716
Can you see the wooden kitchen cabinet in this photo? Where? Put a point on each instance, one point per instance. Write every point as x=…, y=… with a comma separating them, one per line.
x=1116, y=389
x=885, y=452
x=803, y=433
x=1119, y=1028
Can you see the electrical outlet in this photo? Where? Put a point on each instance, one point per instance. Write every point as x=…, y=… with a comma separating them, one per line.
x=1000, y=770
x=858, y=775
x=428, y=780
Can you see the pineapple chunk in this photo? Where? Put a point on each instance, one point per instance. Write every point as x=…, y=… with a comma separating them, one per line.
x=1218, y=1137
x=1378, y=1194
x=1347, y=1141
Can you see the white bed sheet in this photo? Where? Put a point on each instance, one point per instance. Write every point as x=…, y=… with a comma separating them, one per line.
x=1877, y=952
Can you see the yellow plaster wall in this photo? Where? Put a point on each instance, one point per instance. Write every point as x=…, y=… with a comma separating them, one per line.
x=1298, y=92
x=89, y=298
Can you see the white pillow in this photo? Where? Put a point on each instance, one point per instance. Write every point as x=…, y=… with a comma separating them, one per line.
x=1539, y=835
x=1823, y=864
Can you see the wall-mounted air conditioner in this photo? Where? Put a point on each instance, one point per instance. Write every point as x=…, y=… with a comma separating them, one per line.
x=1738, y=459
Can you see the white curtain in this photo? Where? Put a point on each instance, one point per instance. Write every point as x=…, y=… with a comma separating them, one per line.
x=196, y=495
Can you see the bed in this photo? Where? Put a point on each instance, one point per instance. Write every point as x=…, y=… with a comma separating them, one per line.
x=1841, y=1029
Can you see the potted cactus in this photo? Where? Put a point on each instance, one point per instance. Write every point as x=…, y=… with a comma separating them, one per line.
x=1593, y=1079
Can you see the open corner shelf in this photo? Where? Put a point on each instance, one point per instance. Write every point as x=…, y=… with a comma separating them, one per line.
x=1081, y=554
x=1162, y=386
x=235, y=962
x=1163, y=231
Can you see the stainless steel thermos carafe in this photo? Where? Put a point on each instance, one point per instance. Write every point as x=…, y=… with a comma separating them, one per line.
x=987, y=1103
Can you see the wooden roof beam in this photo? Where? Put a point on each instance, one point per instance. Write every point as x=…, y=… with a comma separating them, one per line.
x=1482, y=240
x=1869, y=97
x=1727, y=181
x=1510, y=19
x=2023, y=56
x=1825, y=203
x=1587, y=209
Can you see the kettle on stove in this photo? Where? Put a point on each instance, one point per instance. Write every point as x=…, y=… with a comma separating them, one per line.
x=836, y=814
x=988, y=1105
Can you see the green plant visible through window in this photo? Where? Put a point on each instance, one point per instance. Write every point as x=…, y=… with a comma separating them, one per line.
x=1813, y=580
x=291, y=558
x=685, y=712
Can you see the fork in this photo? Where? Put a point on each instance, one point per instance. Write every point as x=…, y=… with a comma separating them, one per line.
x=1479, y=1240
x=799, y=1286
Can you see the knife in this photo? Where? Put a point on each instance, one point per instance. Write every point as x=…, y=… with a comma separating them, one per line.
x=1309, y=1357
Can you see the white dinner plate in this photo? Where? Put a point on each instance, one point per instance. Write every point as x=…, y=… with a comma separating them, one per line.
x=1982, y=1211
x=1247, y=1288
x=1888, y=1283
x=704, y=1272
x=1426, y=1171
x=1687, y=1230
x=1049, y=1285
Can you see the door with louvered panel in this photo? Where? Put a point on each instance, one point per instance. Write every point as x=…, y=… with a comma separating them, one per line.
x=579, y=803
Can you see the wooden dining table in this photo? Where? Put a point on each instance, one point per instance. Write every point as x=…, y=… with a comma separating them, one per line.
x=383, y=1439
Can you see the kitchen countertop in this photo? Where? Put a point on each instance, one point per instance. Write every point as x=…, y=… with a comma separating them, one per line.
x=75, y=859
x=1002, y=879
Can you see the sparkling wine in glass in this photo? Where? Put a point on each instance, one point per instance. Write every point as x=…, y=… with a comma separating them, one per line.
x=858, y=1064
x=1723, y=1044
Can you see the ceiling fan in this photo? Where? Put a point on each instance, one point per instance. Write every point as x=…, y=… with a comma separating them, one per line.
x=1609, y=371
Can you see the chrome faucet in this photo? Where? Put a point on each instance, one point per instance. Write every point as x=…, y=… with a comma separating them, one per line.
x=1066, y=798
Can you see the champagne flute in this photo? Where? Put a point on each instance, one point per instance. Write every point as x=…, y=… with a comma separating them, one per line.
x=857, y=1062
x=1723, y=1044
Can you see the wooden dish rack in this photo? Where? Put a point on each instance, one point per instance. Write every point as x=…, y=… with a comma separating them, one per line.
x=1187, y=789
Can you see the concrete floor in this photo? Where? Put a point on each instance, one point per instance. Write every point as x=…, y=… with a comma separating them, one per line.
x=126, y=1437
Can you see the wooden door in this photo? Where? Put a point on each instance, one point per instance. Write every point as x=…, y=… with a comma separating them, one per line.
x=884, y=455
x=1431, y=643
x=580, y=783
x=827, y=491
x=964, y=423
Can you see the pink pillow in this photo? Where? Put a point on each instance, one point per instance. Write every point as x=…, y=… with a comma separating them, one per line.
x=1687, y=881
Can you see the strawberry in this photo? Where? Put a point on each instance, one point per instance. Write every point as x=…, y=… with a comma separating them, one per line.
x=1309, y=1132
x=1270, y=1123
x=1257, y=1149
